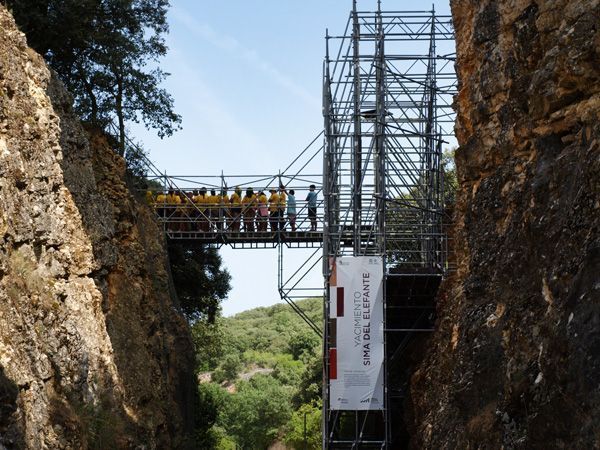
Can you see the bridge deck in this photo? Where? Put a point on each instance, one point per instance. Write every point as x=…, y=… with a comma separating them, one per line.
x=251, y=239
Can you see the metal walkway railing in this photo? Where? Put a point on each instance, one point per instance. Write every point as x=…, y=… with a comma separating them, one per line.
x=185, y=217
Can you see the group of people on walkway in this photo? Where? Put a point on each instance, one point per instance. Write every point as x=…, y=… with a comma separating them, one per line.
x=201, y=210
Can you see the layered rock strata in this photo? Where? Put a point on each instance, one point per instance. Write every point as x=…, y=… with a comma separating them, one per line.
x=93, y=353
x=515, y=360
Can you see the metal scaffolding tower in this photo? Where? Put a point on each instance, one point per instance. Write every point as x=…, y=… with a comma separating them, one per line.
x=387, y=96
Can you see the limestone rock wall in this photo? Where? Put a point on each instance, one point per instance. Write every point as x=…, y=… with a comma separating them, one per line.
x=515, y=360
x=93, y=353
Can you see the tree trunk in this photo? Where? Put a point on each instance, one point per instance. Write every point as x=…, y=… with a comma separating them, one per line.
x=119, y=110
x=89, y=90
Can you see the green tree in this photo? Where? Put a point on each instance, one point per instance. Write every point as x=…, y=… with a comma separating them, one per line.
x=450, y=179
x=231, y=366
x=310, y=415
x=287, y=370
x=200, y=281
x=303, y=342
x=311, y=381
x=105, y=51
x=255, y=414
x=210, y=401
x=209, y=343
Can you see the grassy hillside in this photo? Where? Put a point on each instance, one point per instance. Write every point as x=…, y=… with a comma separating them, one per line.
x=269, y=329
x=260, y=372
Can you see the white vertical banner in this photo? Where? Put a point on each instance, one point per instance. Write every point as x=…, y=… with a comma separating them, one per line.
x=356, y=334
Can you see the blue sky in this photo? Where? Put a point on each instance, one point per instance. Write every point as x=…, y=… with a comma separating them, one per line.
x=246, y=77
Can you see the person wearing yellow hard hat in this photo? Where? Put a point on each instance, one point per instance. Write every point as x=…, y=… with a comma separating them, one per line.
x=173, y=202
x=249, y=210
x=223, y=211
x=160, y=205
x=236, y=209
x=149, y=198
x=201, y=202
x=187, y=198
x=193, y=211
x=213, y=208
x=274, y=210
x=161, y=198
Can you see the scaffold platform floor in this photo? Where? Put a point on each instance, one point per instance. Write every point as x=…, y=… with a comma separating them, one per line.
x=251, y=239
x=268, y=239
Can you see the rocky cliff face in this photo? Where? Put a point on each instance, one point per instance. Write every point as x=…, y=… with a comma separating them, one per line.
x=92, y=351
x=515, y=359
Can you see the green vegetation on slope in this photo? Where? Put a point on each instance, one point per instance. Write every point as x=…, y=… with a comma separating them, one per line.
x=260, y=374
